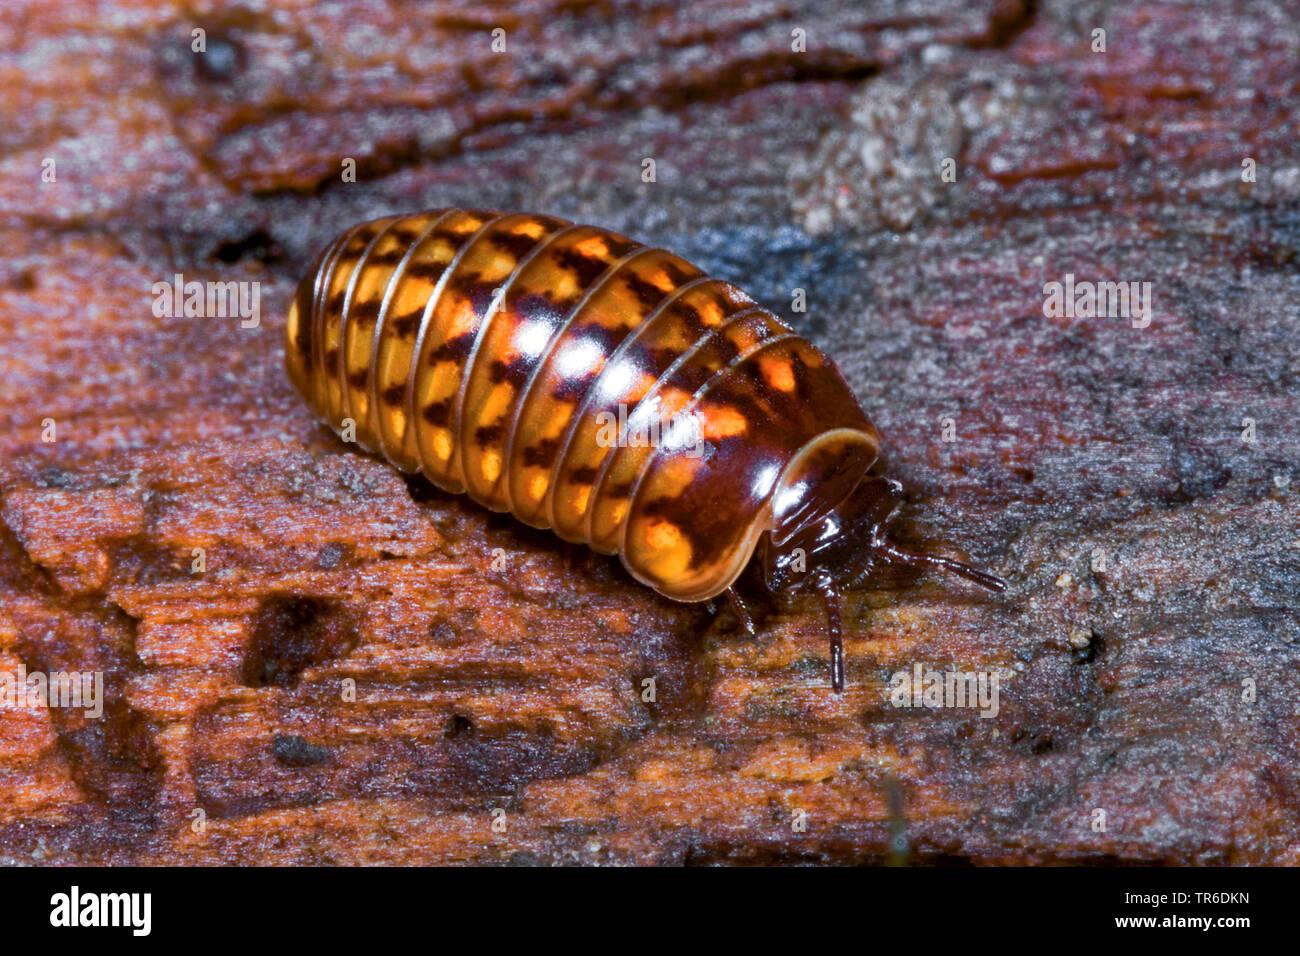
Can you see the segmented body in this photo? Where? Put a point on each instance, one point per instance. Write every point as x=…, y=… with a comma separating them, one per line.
x=487, y=350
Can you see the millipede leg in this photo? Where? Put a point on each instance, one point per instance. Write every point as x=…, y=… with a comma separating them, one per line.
x=741, y=611
x=831, y=601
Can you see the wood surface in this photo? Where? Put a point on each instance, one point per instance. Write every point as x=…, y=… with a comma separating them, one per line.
x=1134, y=485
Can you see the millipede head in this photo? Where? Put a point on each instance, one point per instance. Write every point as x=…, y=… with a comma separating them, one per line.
x=838, y=550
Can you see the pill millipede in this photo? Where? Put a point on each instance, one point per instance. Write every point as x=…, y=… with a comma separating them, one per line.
x=490, y=351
